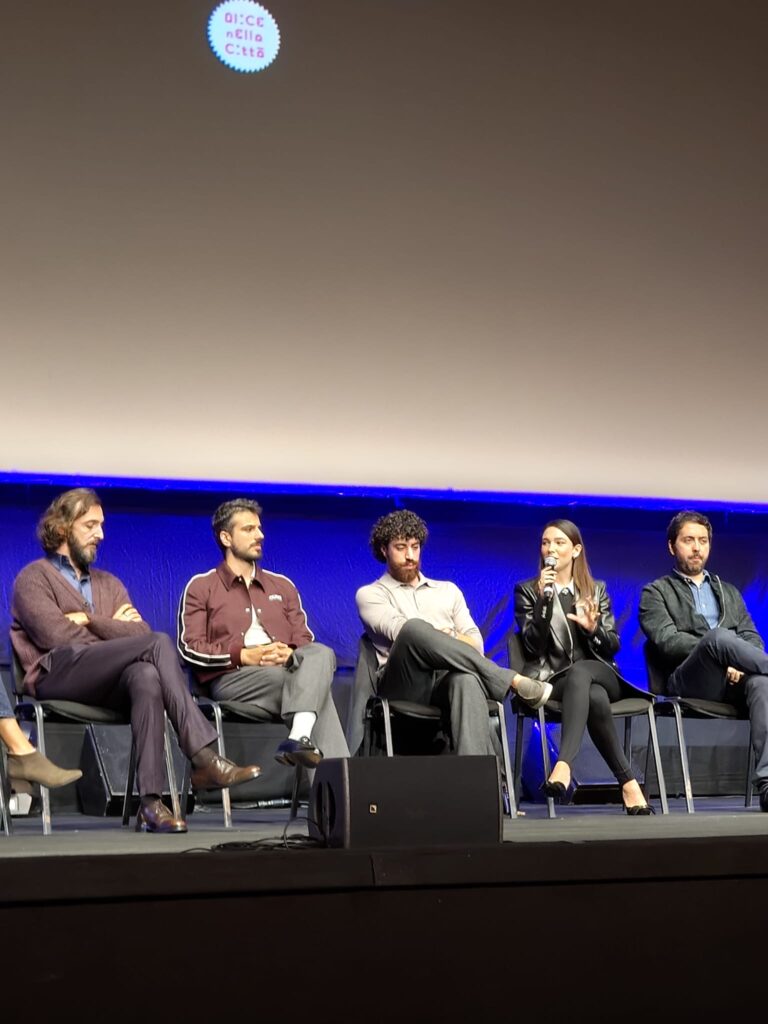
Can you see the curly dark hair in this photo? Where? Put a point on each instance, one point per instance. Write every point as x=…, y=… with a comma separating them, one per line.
x=225, y=513
x=56, y=522
x=400, y=525
x=686, y=516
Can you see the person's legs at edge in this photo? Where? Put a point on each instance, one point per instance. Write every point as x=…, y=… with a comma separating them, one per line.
x=25, y=763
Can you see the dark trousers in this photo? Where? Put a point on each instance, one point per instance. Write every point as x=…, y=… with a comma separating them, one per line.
x=702, y=675
x=139, y=677
x=430, y=667
x=586, y=690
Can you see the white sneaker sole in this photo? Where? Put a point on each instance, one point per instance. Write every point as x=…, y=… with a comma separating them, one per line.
x=546, y=694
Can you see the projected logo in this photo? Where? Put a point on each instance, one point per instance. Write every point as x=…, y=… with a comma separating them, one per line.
x=243, y=35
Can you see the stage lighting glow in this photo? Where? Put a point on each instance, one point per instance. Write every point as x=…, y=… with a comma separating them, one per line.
x=243, y=35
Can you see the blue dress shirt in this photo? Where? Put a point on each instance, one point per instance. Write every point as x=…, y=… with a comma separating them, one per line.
x=81, y=584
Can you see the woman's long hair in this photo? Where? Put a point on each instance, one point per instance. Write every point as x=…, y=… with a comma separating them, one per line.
x=582, y=577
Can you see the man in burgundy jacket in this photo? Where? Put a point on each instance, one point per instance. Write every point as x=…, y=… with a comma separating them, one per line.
x=244, y=632
x=78, y=637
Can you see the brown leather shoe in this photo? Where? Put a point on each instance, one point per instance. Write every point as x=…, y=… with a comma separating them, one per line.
x=154, y=816
x=221, y=773
x=35, y=767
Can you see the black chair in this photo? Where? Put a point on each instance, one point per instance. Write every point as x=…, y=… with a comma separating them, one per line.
x=222, y=711
x=380, y=712
x=679, y=708
x=640, y=704
x=40, y=712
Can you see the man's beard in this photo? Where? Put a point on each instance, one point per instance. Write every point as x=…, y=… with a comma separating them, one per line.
x=405, y=573
x=246, y=555
x=82, y=557
x=690, y=568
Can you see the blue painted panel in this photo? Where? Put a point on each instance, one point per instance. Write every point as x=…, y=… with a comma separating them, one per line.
x=158, y=535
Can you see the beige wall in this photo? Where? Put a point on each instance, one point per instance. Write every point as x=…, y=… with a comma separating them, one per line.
x=518, y=249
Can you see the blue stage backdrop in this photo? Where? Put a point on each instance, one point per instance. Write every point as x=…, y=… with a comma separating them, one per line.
x=158, y=535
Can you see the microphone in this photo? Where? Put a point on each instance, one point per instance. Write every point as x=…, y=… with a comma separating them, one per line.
x=549, y=590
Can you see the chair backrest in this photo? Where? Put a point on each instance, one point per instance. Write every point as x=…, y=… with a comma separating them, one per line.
x=516, y=652
x=363, y=687
x=655, y=669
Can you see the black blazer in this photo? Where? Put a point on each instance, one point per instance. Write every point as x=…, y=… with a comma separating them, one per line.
x=546, y=634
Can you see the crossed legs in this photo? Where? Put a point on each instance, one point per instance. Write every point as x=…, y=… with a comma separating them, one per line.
x=140, y=675
x=430, y=667
x=702, y=675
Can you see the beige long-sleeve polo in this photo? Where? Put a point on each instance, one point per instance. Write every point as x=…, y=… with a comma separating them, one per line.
x=384, y=607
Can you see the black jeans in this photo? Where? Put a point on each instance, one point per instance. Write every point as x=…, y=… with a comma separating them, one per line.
x=702, y=675
x=586, y=690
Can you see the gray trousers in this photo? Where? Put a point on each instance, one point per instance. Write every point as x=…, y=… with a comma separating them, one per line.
x=702, y=675
x=304, y=684
x=430, y=667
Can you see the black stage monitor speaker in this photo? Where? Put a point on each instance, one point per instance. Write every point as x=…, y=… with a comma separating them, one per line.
x=386, y=802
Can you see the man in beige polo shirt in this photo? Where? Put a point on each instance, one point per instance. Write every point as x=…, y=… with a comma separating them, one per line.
x=429, y=649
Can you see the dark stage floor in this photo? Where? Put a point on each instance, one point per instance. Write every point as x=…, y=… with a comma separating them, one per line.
x=77, y=834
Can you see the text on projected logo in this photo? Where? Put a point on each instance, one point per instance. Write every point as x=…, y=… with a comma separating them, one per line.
x=243, y=35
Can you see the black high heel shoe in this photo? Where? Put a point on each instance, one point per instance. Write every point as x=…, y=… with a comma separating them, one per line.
x=559, y=792
x=638, y=810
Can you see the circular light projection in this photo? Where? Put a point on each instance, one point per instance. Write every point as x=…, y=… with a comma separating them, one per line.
x=243, y=35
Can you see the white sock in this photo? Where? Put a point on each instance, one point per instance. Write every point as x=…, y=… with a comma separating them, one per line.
x=303, y=724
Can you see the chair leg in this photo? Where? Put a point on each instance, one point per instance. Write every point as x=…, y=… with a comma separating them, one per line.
x=387, y=727
x=373, y=733
x=683, y=758
x=186, y=786
x=628, y=739
x=647, y=768
x=653, y=743
x=298, y=775
x=171, y=771
x=5, y=797
x=749, y=789
x=45, y=796
x=502, y=724
x=366, y=745
x=226, y=801
x=218, y=721
x=518, y=756
x=545, y=759
x=131, y=778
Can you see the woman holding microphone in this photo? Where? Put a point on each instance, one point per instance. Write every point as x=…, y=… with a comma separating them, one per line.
x=569, y=638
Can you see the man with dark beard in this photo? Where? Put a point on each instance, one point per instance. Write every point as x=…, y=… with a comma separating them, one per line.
x=703, y=637
x=78, y=637
x=244, y=632
x=429, y=649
